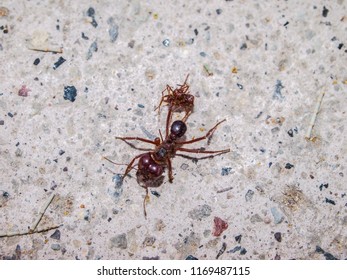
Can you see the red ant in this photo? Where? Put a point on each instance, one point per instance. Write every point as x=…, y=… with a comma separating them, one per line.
x=151, y=164
x=177, y=99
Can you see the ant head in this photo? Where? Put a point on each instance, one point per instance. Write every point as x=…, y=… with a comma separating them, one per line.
x=178, y=129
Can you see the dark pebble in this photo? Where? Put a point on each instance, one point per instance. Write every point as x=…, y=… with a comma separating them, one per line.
x=222, y=250
x=61, y=152
x=190, y=257
x=278, y=88
x=84, y=36
x=203, y=54
x=70, y=93
x=56, y=235
x=196, y=32
x=237, y=248
x=319, y=250
x=323, y=186
x=243, y=46
x=65, y=169
x=91, y=12
x=155, y=193
x=92, y=49
x=290, y=132
x=238, y=238
x=219, y=11
x=60, y=61
x=289, y=166
x=278, y=236
x=10, y=114
x=36, y=61
x=240, y=86
x=325, y=12
x=113, y=30
x=141, y=106
x=249, y=195
x=327, y=200
x=329, y=256
x=2, y=122
x=340, y=46
x=226, y=171
x=243, y=251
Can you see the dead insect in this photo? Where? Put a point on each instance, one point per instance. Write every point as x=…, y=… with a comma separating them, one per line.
x=151, y=165
x=178, y=99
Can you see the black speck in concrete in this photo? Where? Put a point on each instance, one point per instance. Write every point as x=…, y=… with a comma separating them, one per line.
x=84, y=36
x=240, y=86
x=61, y=152
x=289, y=166
x=286, y=24
x=155, y=193
x=196, y=32
x=340, y=46
x=235, y=249
x=222, y=250
x=323, y=186
x=70, y=93
x=278, y=236
x=243, y=251
x=325, y=12
x=36, y=61
x=238, y=238
x=219, y=11
x=141, y=106
x=243, y=46
x=56, y=235
x=59, y=62
x=91, y=13
x=290, y=132
x=10, y=114
x=278, y=88
x=327, y=200
x=226, y=171
x=2, y=122
x=191, y=257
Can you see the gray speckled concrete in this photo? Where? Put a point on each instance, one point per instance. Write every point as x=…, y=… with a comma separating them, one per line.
x=270, y=62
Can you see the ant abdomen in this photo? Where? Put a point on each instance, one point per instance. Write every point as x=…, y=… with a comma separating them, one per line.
x=146, y=163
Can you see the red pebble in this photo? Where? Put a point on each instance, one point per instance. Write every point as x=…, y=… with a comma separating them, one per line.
x=219, y=226
x=24, y=91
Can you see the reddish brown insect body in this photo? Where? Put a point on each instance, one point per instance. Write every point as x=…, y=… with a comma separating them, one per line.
x=151, y=165
x=178, y=99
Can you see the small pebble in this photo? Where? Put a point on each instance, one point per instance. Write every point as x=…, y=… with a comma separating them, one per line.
x=278, y=236
x=240, y=86
x=155, y=193
x=278, y=91
x=56, y=235
x=113, y=30
x=219, y=11
x=166, y=42
x=59, y=62
x=61, y=152
x=290, y=132
x=235, y=249
x=323, y=186
x=201, y=211
x=119, y=241
x=149, y=241
x=238, y=238
x=243, y=251
x=24, y=91
x=36, y=61
x=141, y=106
x=219, y=226
x=278, y=216
x=249, y=195
x=289, y=166
x=330, y=201
x=55, y=247
x=191, y=257
x=92, y=49
x=222, y=250
x=226, y=171
x=2, y=122
x=325, y=12
x=70, y=93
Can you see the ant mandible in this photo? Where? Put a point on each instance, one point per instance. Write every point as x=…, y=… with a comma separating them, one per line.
x=178, y=99
x=151, y=165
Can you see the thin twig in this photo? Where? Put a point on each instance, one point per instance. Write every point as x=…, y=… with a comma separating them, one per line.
x=33, y=228
x=53, y=50
x=308, y=135
x=225, y=190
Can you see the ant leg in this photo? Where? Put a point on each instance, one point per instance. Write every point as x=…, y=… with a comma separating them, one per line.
x=137, y=139
x=144, y=203
x=208, y=134
x=202, y=151
x=130, y=165
x=169, y=166
x=188, y=113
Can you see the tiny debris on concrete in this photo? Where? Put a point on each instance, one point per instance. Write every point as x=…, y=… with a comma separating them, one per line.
x=201, y=211
x=59, y=62
x=119, y=241
x=278, y=216
x=70, y=93
x=113, y=29
x=226, y=171
x=278, y=91
x=222, y=250
x=219, y=226
x=24, y=91
x=92, y=49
